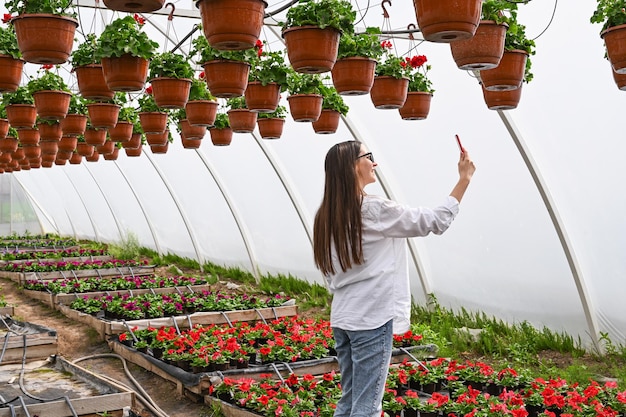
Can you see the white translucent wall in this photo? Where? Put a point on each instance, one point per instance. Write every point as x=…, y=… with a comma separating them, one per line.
x=251, y=204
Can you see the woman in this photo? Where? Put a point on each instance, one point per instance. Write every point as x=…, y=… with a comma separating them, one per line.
x=360, y=247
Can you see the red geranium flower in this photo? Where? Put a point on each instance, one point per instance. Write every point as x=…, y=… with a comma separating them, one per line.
x=7, y=18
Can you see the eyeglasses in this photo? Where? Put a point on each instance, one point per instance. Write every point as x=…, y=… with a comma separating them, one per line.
x=368, y=155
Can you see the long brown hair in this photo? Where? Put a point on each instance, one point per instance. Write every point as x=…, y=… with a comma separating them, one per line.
x=338, y=220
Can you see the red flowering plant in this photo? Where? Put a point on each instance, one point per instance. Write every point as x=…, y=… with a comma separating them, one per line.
x=268, y=67
x=416, y=71
x=406, y=339
x=124, y=36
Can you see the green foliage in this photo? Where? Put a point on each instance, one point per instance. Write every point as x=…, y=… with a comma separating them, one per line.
x=279, y=113
x=516, y=39
x=147, y=103
x=610, y=13
x=8, y=43
x=307, y=295
x=57, y=7
x=200, y=91
x=221, y=121
x=366, y=44
x=237, y=103
x=169, y=64
x=336, y=14
x=332, y=100
x=494, y=10
x=124, y=36
x=205, y=52
x=300, y=83
x=269, y=67
x=85, y=53
x=20, y=96
x=47, y=81
x=128, y=114
x=127, y=248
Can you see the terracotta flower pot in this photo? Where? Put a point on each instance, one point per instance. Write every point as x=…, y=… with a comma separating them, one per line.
x=170, y=93
x=134, y=152
x=60, y=161
x=482, y=51
x=416, y=106
x=84, y=149
x=153, y=122
x=271, y=128
x=327, y=123
x=190, y=143
x=68, y=144
x=28, y=136
x=201, y=112
x=106, y=148
x=160, y=149
x=45, y=38
x=509, y=74
x=121, y=132
x=49, y=147
x=620, y=79
x=502, y=99
x=91, y=83
x=615, y=42
x=353, y=76
x=4, y=128
x=305, y=107
x=52, y=105
x=389, y=92
x=21, y=116
x=50, y=131
x=76, y=159
x=74, y=124
x=242, y=120
x=134, y=6
x=8, y=145
x=133, y=143
x=95, y=137
x=221, y=137
x=103, y=115
x=112, y=156
x=125, y=73
x=31, y=151
x=192, y=132
x=157, y=139
x=262, y=98
x=64, y=154
x=447, y=20
x=311, y=50
x=232, y=24
x=226, y=79
x=10, y=73
x=94, y=157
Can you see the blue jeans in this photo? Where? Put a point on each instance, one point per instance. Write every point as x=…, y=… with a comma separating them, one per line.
x=364, y=358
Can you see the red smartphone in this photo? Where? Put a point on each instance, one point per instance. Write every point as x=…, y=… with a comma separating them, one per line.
x=458, y=141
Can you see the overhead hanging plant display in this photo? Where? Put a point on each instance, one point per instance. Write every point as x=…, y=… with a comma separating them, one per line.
x=447, y=20
x=333, y=107
x=201, y=107
x=267, y=79
x=50, y=94
x=170, y=76
x=420, y=89
x=232, y=24
x=271, y=124
x=75, y=122
x=391, y=82
x=612, y=15
x=88, y=70
x=221, y=132
x=241, y=119
x=125, y=52
x=11, y=63
x=153, y=119
x=44, y=28
x=311, y=31
x=305, y=98
x=20, y=107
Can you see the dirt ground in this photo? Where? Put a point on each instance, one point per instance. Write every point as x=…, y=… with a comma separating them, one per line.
x=77, y=340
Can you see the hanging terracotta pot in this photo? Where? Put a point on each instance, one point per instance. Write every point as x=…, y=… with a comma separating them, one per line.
x=68, y=144
x=21, y=115
x=353, y=76
x=221, y=137
x=95, y=137
x=170, y=93
x=60, y=161
x=447, y=20
x=226, y=79
x=509, y=74
x=74, y=124
x=271, y=127
x=242, y=120
x=134, y=152
x=84, y=149
x=32, y=152
x=52, y=105
x=8, y=145
x=311, y=50
x=160, y=149
x=49, y=147
x=112, y=156
x=482, y=51
x=133, y=143
x=35, y=162
x=125, y=73
x=6, y=158
x=305, y=107
x=28, y=136
x=76, y=158
x=502, y=99
x=103, y=115
x=389, y=92
x=47, y=163
x=416, y=106
x=201, y=112
x=620, y=79
x=153, y=122
x=327, y=123
x=192, y=132
x=19, y=154
x=4, y=128
x=190, y=143
x=64, y=154
x=121, y=132
x=91, y=83
x=50, y=131
x=157, y=139
x=94, y=157
x=106, y=148
x=10, y=73
x=262, y=98
x=232, y=24
x=615, y=43
x=134, y=6
x=45, y=38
